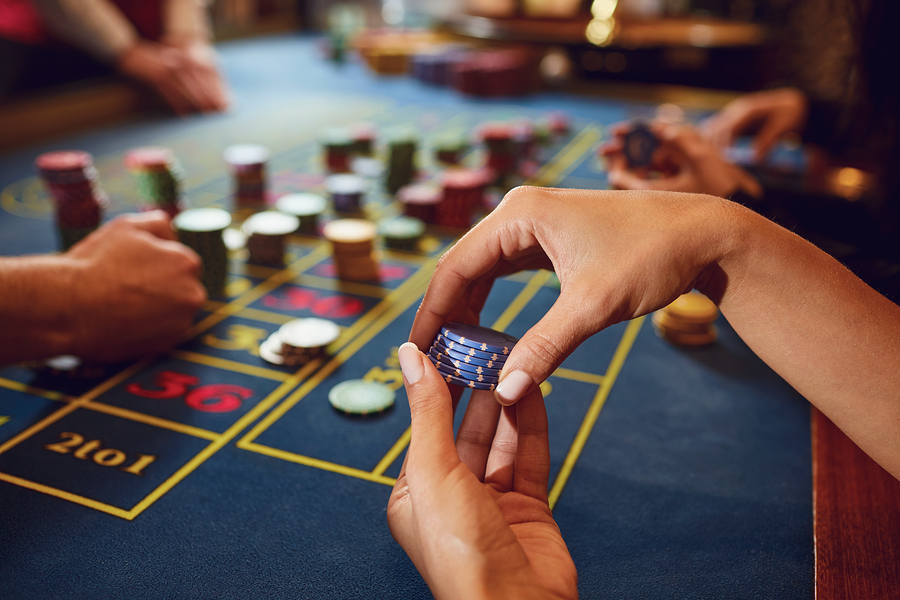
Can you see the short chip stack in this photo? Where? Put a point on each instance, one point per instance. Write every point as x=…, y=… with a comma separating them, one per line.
x=450, y=149
x=501, y=150
x=306, y=207
x=463, y=191
x=688, y=321
x=420, y=201
x=299, y=341
x=346, y=192
x=353, y=246
x=71, y=180
x=471, y=356
x=157, y=178
x=266, y=232
x=401, y=233
x=338, y=148
x=201, y=229
x=248, y=166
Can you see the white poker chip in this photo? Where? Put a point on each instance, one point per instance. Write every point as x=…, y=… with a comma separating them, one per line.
x=309, y=333
x=270, y=350
x=270, y=222
x=301, y=205
x=234, y=239
x=202, y=219
x=246, y=154
x=343, y=183
x=365, y=166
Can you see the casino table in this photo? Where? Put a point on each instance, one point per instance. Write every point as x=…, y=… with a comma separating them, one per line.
x=209, y=473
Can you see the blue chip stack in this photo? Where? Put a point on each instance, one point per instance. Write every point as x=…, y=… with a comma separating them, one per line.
x=471, y=356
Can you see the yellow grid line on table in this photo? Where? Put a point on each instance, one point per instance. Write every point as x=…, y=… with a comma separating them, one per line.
x=257, y=292
x=230, y=365
x=396, y=303
x=18, y=386
x=587, y=425
x=139, y=417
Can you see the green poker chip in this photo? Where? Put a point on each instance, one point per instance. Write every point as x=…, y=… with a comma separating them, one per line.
x=361, y=397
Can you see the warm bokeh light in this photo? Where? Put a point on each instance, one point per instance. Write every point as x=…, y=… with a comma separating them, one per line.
x=599, y=32
x=850, y=177
x=603, y=9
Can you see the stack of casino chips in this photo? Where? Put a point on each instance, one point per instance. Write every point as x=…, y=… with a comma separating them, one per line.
x=248, y=166
x=471, y=356
x=307, y=207
x=401, y=233
x=503, y=72
x=463, y=192
x=353, y=248
x=501, y=149
x=401, y=160
x=363, y=136
x=346, y=192
x=299, y=342
x=420, y=201
x=338, y=148
x=157, y=178
x=71, y=180
x=688, y=320
x=201, y=229
x=266, y=234
x=450, y=150
x=436, y=65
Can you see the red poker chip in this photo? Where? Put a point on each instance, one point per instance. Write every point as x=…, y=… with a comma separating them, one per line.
x=64, y=160
x=496, y=132
x=464, y=179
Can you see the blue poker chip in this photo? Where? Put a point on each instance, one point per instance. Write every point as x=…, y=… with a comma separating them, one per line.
x=443, y=369
x=480, y=338
x=468, y=383
x=639, y=145
x=458, y=363
x=454, y=350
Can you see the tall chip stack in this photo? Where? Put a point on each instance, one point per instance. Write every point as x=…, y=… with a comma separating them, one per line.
x=248, y=167
x=71, y=180
x=501, y=151
x=471, y=356
x=157, y=178
x=201, y=230
x=463, y=191
x=353, y=248
x=401, y=160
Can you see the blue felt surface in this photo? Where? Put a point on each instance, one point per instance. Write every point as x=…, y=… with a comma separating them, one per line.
x=694, y=483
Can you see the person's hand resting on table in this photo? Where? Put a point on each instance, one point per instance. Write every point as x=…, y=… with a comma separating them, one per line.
x=185, y=74
x=472, y=514
x=684, y=162
x=127, y=290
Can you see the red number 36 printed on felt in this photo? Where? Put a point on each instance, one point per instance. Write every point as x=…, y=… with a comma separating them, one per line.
x=214, y=398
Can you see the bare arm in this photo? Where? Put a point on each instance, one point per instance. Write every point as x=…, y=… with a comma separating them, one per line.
x=126, y=290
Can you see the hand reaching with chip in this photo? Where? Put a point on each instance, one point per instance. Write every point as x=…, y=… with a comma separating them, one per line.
x=473, y=515
x=684, y=161
x=769, y=115
x=619, y=255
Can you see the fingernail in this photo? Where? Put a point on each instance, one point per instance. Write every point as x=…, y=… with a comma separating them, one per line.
x=513, y=387
x=410, y=362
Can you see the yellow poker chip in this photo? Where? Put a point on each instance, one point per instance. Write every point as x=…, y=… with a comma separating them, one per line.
x=693, y=307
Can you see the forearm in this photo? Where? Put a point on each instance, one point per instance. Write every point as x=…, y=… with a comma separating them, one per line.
x=832, y=337
x=185, y=21
x=95, y=26
x=36, y=307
